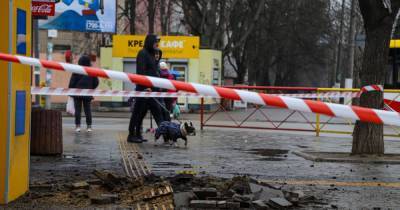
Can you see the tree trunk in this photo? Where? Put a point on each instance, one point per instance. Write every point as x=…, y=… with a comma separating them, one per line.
x=151, y=15
x=132, y=16
x=368, y=137
x=165, y=9
x=241, y=73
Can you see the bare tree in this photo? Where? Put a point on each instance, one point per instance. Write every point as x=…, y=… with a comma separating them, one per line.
x=151, y=14
x=132, y=15
x=379, y=16
x=207, y=19
x=241, y=24
x=126, y=16
x=165, y=13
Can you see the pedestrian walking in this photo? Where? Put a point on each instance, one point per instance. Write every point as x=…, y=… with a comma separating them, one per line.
x=146, y=64
x=83, y=82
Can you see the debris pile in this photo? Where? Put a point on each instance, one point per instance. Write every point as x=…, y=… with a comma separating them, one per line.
x=184, y=191
x=105, y=189
x=237, y=193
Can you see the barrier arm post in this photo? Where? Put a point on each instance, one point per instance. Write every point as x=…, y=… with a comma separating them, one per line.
x=310, y=106
x=317, y=128
x=201, y=113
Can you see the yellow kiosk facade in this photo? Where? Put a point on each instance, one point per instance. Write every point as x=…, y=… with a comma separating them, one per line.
x=15, y=100
x=182, y=53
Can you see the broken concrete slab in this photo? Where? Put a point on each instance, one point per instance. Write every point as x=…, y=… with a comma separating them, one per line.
x=80, y=185
x=232, y=205
x=80, y=193
x=244, y=200
x=222, y=204
x=182, y=199
x=241, y=185
x=280, y=202
x=260, y=205
x=94, y=181
x=104, y=199
x=204, y=193
x=203, y=204
x=41, y=187
x=265, y=193
x=294, y=196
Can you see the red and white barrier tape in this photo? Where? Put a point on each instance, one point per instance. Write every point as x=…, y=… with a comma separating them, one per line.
x=370, y=88
x=329, y=109
x=109, y=93
x=321, y=95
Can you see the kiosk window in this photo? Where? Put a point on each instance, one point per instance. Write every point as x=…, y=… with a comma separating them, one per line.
x=21, y=32
x=20, y=113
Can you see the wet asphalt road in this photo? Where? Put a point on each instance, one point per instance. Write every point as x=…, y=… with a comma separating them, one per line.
x=226, y=152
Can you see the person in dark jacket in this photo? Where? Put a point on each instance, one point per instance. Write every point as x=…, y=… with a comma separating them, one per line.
x=83, y=82
x=146, y=64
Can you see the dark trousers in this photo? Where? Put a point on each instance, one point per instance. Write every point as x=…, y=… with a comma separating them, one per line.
x=85, y=102
x=167, y=110
x=142, y=105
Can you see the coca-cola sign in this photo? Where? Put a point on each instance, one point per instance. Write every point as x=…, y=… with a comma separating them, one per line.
x=43, y=8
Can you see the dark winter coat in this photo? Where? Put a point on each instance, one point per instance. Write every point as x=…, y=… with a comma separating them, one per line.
x=146, y=63
x=82, y=81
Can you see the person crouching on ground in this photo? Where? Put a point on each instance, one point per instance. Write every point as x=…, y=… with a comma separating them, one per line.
x=83, y=82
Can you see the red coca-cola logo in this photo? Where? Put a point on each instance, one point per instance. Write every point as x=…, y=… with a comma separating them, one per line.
x=43, y=9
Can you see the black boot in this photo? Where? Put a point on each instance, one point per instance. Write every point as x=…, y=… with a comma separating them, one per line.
x=139, y=135
x=142, y=139
x=134, y=139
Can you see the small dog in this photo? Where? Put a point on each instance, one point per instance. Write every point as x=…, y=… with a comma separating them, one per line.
x=171, y=131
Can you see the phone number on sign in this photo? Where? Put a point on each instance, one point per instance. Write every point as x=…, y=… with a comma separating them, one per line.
x=98, y=26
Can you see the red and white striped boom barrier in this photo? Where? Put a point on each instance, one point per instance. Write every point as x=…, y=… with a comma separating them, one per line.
x=329, y=109
x=122, y=93
x=109, y=93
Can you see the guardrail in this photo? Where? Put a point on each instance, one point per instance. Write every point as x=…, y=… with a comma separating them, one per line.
x=270, y=118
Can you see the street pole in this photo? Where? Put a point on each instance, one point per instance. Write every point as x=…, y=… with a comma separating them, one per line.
x=48, y=71
x=339, y=52
x=347, y=73
x=352, y=37
x=36, y=45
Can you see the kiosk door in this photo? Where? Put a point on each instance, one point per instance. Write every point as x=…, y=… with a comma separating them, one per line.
x=183, y=71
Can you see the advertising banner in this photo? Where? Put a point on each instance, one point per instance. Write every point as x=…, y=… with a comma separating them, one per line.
x=128, y=46
x=82, y=15
x=43, y=8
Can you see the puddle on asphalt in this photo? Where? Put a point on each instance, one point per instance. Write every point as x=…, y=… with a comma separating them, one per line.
x=271, y=159
x=270, y=154
x=301, y=146
x=168, y=164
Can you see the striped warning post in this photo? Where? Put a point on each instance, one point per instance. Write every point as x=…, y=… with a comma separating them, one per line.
x=329, y=109
x=371, y=88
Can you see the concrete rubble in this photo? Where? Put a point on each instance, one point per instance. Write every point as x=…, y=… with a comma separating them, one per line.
x=183, y=191
x=237, y=193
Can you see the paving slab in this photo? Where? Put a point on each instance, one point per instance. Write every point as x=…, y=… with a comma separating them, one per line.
x=346, y=157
